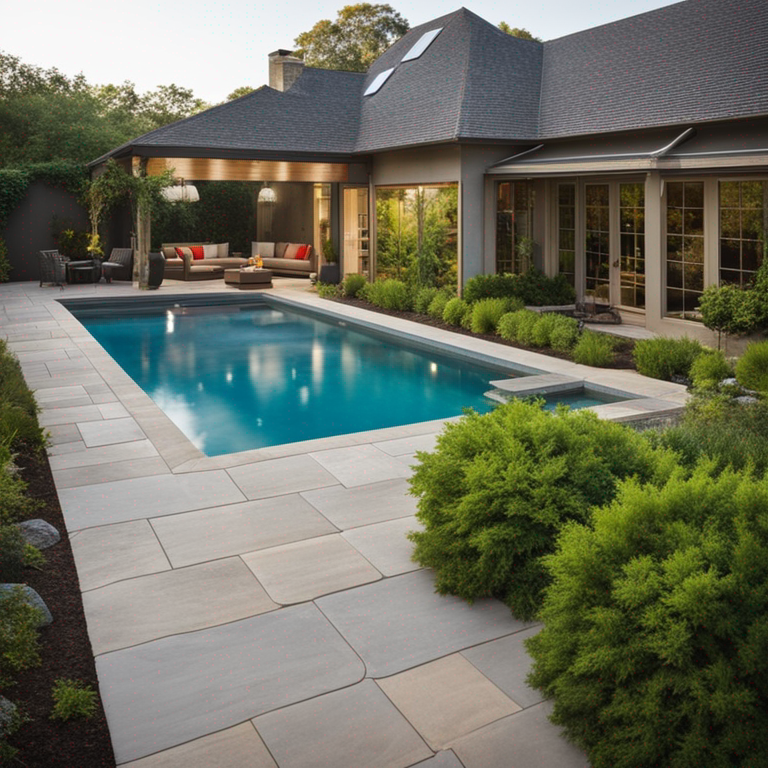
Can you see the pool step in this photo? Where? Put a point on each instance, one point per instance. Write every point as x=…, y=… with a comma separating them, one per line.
x=524, y=386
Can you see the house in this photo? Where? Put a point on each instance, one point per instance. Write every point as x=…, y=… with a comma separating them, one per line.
x=632, y=157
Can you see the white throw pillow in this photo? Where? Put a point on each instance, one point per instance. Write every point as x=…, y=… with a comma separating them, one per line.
x=223, y=250
x=210, y=251
x=265, y=250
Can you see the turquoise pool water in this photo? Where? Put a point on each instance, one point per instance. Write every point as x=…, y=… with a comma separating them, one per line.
x=233, y=378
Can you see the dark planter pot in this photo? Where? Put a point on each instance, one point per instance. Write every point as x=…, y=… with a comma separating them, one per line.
x=329, y=273
x=156, y=270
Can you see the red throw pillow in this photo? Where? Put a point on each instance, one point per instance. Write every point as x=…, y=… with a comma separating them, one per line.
x=302, y=253
x=197, y=251
x=180, y=252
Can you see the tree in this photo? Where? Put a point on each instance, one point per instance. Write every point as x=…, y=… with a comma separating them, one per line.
x=520, y=32
x=238, y=93
x=360, y=34
x=168, y=103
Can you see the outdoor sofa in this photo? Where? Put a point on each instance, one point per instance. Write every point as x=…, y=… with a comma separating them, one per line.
x=198, y=261
x=288, y=259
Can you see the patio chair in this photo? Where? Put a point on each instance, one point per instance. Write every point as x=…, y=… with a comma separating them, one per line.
x=119, y=265
x=53, y=268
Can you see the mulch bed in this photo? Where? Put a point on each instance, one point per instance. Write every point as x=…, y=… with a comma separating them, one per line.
x=65, y=651
x=622, y=359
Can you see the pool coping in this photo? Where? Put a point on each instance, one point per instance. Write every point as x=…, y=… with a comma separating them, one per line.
x=651, y=399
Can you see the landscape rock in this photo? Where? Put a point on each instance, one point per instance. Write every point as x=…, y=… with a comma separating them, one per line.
x=7, y=712
x=39, y=534
x=32, y=598
x=746, y=400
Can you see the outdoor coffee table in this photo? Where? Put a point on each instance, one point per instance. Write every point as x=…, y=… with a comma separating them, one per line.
x=245, y=279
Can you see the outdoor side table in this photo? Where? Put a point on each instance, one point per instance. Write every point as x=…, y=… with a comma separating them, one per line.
x=84, y=271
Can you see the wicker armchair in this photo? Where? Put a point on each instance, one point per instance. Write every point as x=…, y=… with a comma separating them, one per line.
x=119, y=265
x=53, y=267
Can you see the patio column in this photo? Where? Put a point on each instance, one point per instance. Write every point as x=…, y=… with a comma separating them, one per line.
x=143, y=232
x=654, y=250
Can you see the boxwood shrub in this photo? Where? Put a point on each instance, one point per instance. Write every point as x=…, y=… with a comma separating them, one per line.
x=665, y=358
x=455, y=310
x=655, y=639
x=499, y=487
x=752, y=367
x=423, y=299
x=486, y=313
x=709, y=369
x=594, y=349
x=533, y=288
x=437, y=305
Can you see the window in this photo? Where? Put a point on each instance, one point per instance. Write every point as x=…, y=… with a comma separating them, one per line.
x=632, y=223
x=743, y=224
x=598, y=241
x=416, y=234
x=685, y=246
x=566, y=231
x=514, y=227
x=378, y=81
x=421, y=44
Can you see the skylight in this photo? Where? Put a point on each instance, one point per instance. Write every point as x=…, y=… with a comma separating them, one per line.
x=378, y=81
x=422, y=44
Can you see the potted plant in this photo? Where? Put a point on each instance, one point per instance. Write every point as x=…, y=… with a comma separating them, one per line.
x=329, y=272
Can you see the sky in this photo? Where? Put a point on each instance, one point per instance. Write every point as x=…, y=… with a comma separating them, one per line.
x=215, y=47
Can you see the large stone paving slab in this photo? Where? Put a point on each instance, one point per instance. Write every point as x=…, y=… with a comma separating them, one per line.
x=238, y=747
x=115, y=552
x=352, y=507
x=506, y=663
x=347, y=729
x=446, y=699
x=194, y=537
x=96, y=433
x=84, y=457
x=304, y=570
x=446, y=759
x=399, y=623
x=162, y=694
x=138, y=610
x=146, y=497
x=360, y=465
x=386, y=545
x=524, y=740
x=279, y=476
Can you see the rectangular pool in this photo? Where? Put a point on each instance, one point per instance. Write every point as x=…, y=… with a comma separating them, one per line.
x=235, y=377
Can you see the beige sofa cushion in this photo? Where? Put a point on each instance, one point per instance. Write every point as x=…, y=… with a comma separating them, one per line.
x=223, y=251
x=280, y=250
x=210, y=251
x=265, y=250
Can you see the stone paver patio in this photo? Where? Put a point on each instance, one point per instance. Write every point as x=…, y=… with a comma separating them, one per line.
x=261, y=609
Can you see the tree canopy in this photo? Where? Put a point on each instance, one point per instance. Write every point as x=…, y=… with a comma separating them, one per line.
x=520, y=32
x=358, y=36
x=46, y=115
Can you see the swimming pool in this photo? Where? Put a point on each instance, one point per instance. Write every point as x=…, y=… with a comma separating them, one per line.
x=234, y=377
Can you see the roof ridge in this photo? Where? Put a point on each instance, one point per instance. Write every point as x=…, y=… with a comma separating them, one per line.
x=465, y=76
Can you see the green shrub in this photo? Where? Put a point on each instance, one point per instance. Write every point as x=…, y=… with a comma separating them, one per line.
x=665, y=358
x=709, y=369
x=728, y=433
x=727, y=309
x=525, y=325
x=328, y=290
x=455, y=310
x=389, y=294
x=499, y=486
x=15, y=504
x=437, y=305
x=423, y=299
x=541, y=333
x=33, y=557
x=565, y=334
x=73, y=699
x=486, y=314
x=12, y=555
x=594, y=349
x=510, y=322
x=19, y=647
x=18, y=409
x=466, y=321
x=353, y=284
x=532, y=288
x=752, y=367
x=655, y=625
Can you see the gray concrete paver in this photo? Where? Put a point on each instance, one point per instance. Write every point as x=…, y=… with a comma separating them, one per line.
x=399, y=623
x=386, y=544
x=170, y=691
x=345, y=729
x=277, y=476
x=111, y=431
x=360, y=465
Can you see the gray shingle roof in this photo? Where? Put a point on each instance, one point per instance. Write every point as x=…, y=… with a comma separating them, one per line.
x=695, y=61
x=699, y=60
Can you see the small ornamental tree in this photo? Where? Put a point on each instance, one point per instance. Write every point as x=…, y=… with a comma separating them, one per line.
x=655, y=644
x=727, y=309
x=498, y=488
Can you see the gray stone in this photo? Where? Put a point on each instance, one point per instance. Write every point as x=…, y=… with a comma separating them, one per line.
x=746, y=400
x=39, y=534
x=7, y=713
x=400, y=623
x=33, y=599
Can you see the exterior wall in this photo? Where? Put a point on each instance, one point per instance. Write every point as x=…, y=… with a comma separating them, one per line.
x=28, y=229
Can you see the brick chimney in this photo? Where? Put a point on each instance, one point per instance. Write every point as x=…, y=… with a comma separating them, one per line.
x=284, y=69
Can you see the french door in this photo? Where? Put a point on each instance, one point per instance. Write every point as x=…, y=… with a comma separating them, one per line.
x=614, y=243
